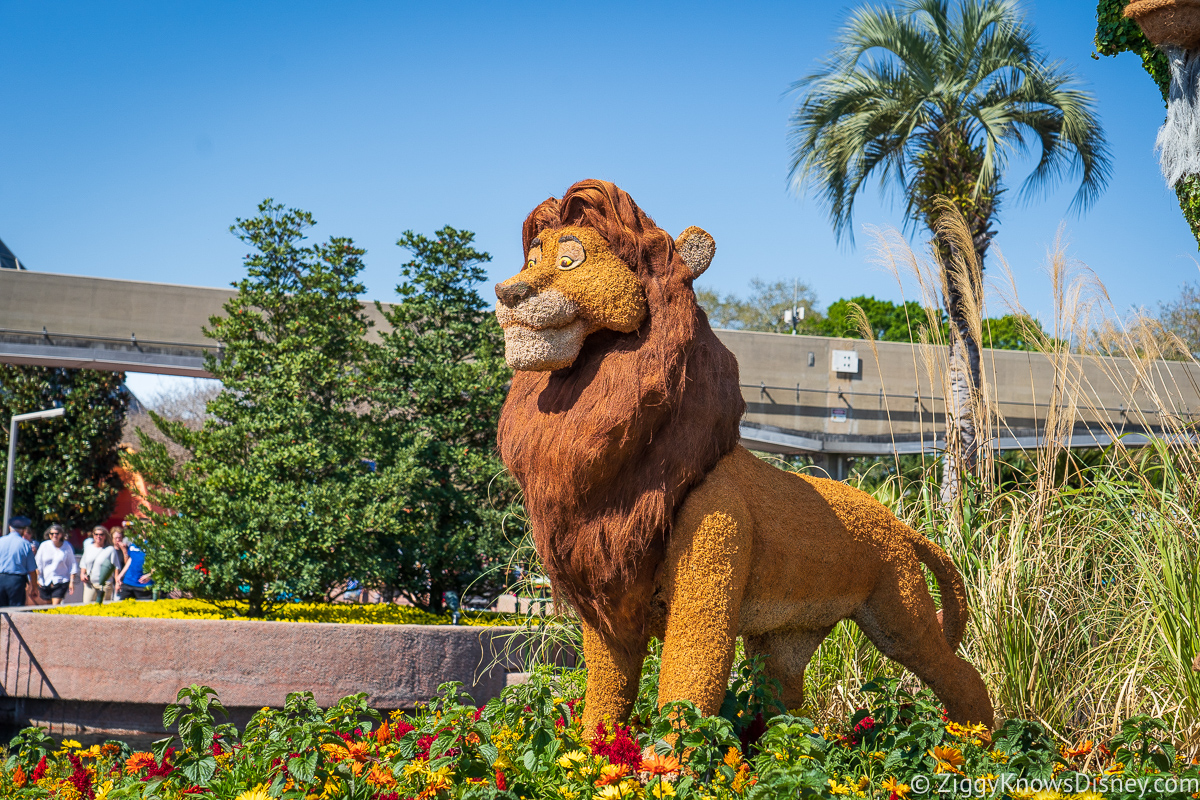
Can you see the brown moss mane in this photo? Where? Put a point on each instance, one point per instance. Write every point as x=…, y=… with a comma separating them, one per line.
x=606, y=449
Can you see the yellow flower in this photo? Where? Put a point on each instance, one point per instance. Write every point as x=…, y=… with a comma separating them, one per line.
x=611, y=774
x=618, y=791
x=257, y=793
x=733, y=757
x=102, y=792
x=1047, y=794
x=948, y=759
x=91, y=752
x=440, y=778
x=71, y=744
x=662, y=789
x=413, y=768
x=573, y=759
x=897, y=788
x=1116, y=769
x=838, y=788
x=566, y=793
x=1088, y=795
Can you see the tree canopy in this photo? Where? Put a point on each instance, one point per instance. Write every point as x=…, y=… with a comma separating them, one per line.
x=64, y=467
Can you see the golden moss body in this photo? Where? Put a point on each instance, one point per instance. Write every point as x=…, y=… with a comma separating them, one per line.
x=779, y=559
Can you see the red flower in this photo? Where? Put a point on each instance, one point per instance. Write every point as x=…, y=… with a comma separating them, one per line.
x=39, y=771
x=162, y=769
x=401, y=727
x=501, y=783
x=194, y=790
x=621, y=750
x=80, y=778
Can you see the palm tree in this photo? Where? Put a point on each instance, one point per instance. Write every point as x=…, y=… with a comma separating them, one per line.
x=934, y=100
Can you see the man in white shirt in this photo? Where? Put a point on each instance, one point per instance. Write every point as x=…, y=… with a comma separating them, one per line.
x=56, y=567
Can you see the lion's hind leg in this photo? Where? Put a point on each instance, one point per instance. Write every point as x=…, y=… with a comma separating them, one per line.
x=787, y=654
x=900, y=619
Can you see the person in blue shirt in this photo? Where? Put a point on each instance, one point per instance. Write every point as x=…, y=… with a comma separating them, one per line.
x=135, y=578
x=18, y=569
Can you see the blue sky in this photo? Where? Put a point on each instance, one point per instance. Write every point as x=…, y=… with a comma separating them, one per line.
x=134, y=134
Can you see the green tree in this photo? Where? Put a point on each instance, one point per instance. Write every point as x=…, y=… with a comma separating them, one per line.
x=1181, y=316
x=933, y=100
x=440, y=380
x=763, y=310
x=64, y=467
x=277, y=501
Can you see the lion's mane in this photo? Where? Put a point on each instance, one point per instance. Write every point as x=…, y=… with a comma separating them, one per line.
x=606, y=449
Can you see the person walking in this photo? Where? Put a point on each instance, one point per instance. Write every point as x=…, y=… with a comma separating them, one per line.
x=134, y=579
x=99, y=566
x=18, y=565
x=121, y=546
x=56, y=566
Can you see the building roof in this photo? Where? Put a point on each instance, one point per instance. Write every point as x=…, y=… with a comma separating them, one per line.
x=7, y=259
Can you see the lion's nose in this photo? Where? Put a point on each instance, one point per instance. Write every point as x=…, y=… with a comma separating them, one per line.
x=512, y=293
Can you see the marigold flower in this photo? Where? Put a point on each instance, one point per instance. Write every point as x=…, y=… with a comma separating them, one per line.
x=139, y=761
x=71, y=744
x=898, y=790
x=381, y=776
x=1081, y=749
x=335, y=752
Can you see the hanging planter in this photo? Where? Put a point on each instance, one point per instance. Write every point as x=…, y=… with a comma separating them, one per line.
x=1168, y=22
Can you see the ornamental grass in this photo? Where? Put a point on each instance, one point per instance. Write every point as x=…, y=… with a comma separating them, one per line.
x=352, y=613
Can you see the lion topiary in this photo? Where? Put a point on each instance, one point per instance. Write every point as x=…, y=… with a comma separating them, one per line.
x=621, y=427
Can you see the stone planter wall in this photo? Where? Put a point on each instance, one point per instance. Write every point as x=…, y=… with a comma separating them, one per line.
x=126, y=669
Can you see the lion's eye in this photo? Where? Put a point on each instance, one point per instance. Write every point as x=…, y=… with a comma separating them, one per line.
x=565, y=263
x=531, y=263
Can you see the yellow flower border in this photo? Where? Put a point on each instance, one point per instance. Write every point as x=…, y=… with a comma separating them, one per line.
x=346, y=613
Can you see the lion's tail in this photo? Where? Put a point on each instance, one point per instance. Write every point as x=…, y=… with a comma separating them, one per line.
x=955, y=611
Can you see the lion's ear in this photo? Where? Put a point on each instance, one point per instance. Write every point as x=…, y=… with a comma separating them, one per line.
x=696, y=247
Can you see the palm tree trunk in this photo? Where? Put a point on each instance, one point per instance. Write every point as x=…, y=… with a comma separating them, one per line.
x=963, y=367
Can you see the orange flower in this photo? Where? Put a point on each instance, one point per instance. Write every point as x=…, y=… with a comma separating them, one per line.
x=1081, y=749
x=380, y=776
x=19, y=777
x=733, y=758
x=949, y=759
x=384, y=734
x=139, y=761
x=335, y=752
x=657, y=764
x=612, y=773
x=358, y=750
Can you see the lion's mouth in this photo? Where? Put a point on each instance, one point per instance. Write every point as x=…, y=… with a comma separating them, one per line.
x=542, y=333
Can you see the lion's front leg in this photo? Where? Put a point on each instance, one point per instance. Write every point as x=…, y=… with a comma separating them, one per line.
x=708, y=563
x=613, y=672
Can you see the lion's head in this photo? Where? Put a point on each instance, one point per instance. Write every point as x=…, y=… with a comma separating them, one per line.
x=571, y=285
x=623, y=398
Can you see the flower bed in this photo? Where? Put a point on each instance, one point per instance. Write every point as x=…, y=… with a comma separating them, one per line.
x=371, y=614
x=530, y=743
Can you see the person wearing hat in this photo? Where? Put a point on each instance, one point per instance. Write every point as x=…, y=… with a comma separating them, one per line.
x=18, y=569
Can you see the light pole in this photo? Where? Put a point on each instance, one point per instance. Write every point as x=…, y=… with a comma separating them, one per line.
x=17, y=419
